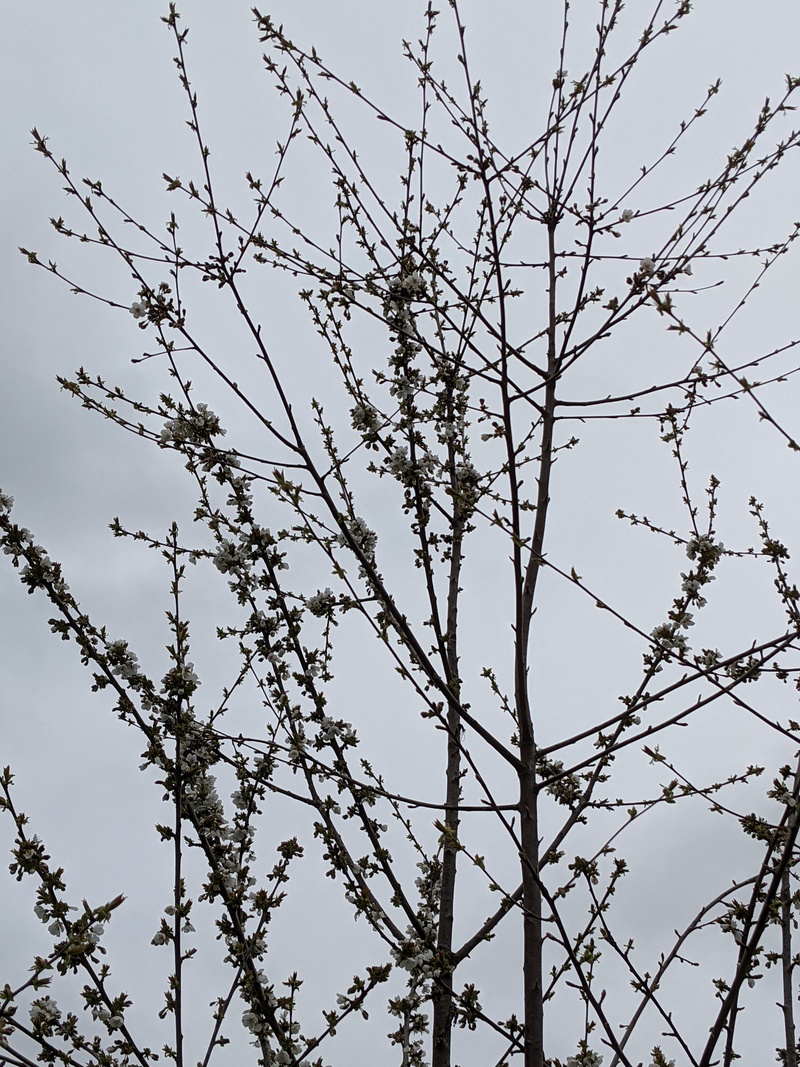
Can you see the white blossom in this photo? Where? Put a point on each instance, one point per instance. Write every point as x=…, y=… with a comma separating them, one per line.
x=31, y=850
x=708, y=657
x=321, y=603
x=252, y=1022
x=330, y=729
x=364, y=418
x=399, y=463
x=195, y=426
x=94, y=933
x=230, y=557
x=103, y=1015
x=587, y=1058
x=705, y=548
x=669, y=637
x=690, y=584
x=124, y=663
x=402, y=388
x=365, y=538
x=44, y=1011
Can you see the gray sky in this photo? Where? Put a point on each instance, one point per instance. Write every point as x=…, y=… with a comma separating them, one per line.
x=97, y=78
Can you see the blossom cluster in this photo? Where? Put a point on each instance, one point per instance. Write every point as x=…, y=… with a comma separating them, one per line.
x=402, y=290
x=322, y=603
x=364, y=537
x=692, y=585
x=201, y=790
x=231, y=557
x=588, y=1058
x=415, y=957
x=709, y=657
x=399, y=463
x=429, y=886
x=112, y=1020
x=408, y=380
x=124, y=663
x=705, y=550
x=195, y=426
x=254, y=1022
x=748, y=669
x=156, y=306
x=415, y=953
x=38, y=571
x=566, y=788
x=29, y=854
x=407, y=471
x=364, y=419
x=82, y=937
x=647, y=266
x=180, y=682
x=670, y=637
x=468, y=486
x=332, y=729
x=44, y=1013
x=256, y=544
x=46, y=915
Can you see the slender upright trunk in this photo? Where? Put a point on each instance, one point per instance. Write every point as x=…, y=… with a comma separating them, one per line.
x=786, y=953
x=787, y=918
x=528, y=792
x=532, y=915
x=443, y=993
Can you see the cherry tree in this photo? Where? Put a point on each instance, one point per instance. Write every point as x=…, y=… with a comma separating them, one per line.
x=473, y=703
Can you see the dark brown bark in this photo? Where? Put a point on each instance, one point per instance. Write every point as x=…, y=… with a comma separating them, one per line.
x=528, y=796
x=443, y=994
x=532, y=923
x=443, y=1013
x=786, y=954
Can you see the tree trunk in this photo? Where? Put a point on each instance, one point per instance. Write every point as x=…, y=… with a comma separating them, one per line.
x=532, y=921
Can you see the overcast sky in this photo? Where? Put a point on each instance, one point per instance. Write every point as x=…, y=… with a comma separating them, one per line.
x=97, y=79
